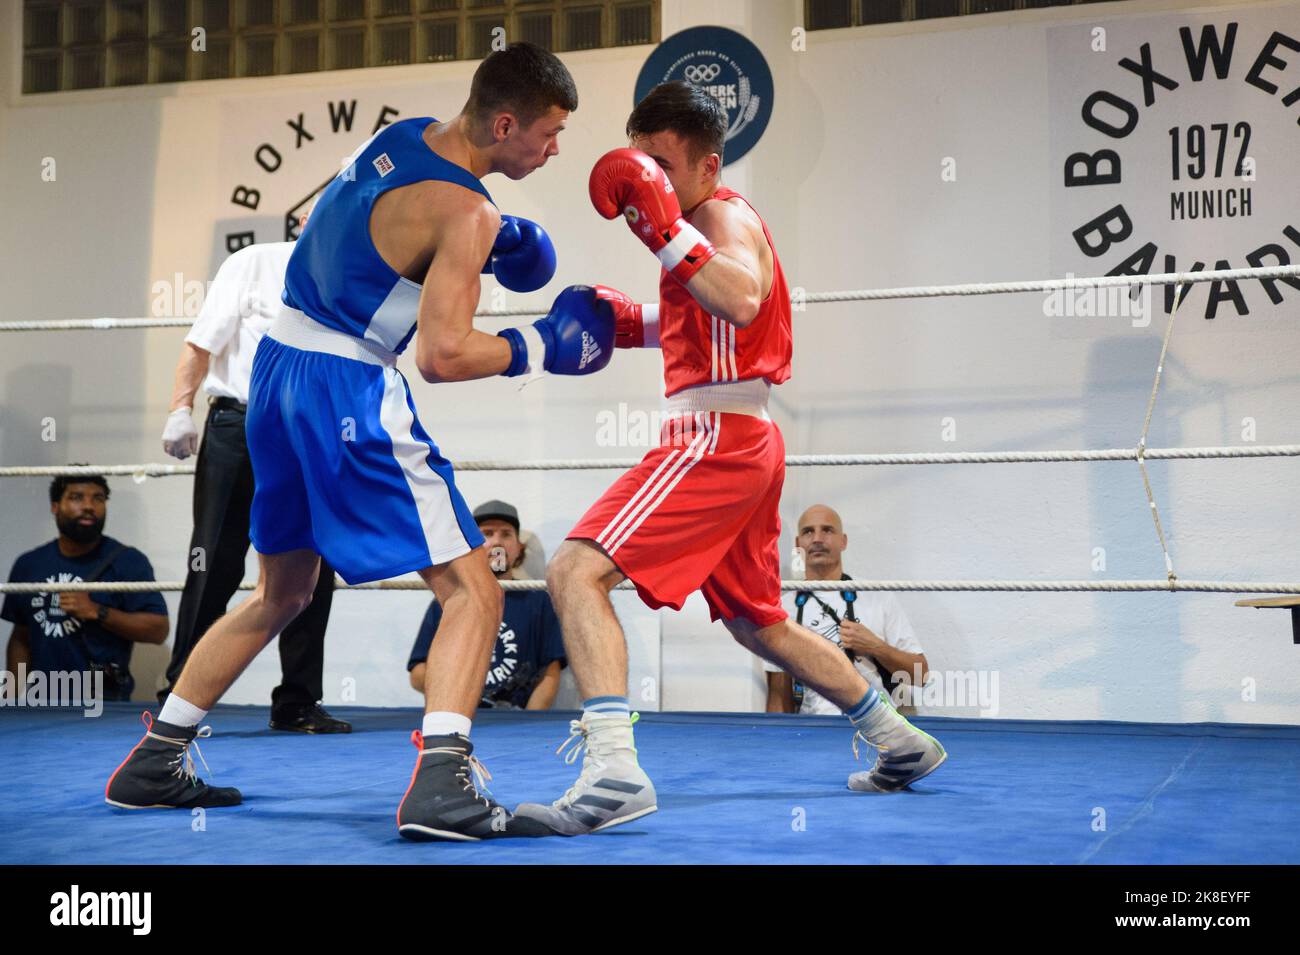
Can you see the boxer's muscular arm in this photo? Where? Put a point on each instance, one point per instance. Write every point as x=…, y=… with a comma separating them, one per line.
x=731, y=284
x=448, y=346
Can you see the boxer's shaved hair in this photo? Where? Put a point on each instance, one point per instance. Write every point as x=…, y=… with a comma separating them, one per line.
x=689, y=111
x=522, y=79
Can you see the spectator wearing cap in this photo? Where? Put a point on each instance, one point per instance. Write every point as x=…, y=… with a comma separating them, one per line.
x=76, y=631
x=240, y=306
x=524, y=672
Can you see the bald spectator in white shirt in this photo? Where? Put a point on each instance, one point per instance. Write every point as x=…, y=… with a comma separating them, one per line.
x=869, y=625
x=241, y=304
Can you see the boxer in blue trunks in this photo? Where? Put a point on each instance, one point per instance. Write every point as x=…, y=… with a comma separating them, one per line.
x=342, y=467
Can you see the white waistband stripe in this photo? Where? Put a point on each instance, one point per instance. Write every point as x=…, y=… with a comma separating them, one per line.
x=297, y=330
x=733, y=397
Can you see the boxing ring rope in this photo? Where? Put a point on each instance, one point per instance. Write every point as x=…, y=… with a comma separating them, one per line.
x=1266, y=273
x=1140, y=454
x=142, y=471
x=976, y=586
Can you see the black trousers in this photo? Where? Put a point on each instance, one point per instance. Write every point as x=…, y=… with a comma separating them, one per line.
x=223, y=496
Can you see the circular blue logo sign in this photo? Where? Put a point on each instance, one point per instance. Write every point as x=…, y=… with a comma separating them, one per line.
x=728, y=66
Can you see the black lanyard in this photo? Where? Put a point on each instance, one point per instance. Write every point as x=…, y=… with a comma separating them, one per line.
x=848, y=596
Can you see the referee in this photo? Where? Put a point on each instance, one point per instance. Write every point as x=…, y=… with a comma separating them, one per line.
x=241, y=303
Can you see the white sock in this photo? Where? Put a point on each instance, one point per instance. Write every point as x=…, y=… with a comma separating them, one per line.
x=179, y=712
x=442, y=723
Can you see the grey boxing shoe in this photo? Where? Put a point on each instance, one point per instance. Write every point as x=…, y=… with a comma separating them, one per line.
x=611, y=789
x=905, y=755
x=443, y=801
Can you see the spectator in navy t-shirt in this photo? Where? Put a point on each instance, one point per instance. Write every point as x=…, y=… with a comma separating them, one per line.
x=76, y=631
x=524, y=672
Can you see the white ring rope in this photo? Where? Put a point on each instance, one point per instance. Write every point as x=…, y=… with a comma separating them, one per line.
x=1271, y=272
x=1266, y=273
x=1139, y=454
x=142, y=471
x=1032, y=586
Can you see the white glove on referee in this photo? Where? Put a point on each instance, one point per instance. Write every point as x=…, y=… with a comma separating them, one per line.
x=180, y=438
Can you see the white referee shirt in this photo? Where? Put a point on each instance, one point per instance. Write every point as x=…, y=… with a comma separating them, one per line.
x=242, y=302
x=878, y=611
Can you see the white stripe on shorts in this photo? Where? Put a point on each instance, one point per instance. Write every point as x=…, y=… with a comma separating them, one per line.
x=433, y=503
x=702, y=445
x=662, y=474
x=633, y=501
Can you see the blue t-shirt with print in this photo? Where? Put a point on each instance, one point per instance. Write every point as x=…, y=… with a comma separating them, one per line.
x=527, y=643
x=59, y=642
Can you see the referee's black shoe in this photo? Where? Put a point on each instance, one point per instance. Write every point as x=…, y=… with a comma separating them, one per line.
x=306, y=718
x=443, y=801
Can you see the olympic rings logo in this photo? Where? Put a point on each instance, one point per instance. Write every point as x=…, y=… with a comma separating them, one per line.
x=702, y=74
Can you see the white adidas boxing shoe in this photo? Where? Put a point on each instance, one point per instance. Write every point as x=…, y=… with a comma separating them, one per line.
x=611, y=789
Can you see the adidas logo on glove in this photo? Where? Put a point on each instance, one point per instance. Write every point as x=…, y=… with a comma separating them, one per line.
x=590, y=350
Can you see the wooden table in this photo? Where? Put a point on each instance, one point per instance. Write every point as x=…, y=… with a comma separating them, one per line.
x=1291, y=602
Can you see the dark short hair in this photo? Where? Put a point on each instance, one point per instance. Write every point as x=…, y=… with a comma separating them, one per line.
x=61, y=483
x=687, y=110
x=523, y=79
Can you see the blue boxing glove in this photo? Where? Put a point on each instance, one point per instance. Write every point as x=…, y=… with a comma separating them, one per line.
x=575, y=338
x=522, y=257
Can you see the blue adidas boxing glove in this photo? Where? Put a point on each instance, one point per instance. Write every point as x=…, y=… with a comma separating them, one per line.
x=575, y=338
x=522, y=257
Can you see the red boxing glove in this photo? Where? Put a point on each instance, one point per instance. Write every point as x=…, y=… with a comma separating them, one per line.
x=635, y=326
x=630, y=183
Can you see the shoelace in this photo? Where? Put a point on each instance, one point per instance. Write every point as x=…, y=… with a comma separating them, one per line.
x=475, y=767
x=579, y=737
x=481, y=777
x=858, y=734
x=578, y=731
x=183, y=765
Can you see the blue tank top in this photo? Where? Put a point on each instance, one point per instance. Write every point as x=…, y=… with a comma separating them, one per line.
x=335, y=274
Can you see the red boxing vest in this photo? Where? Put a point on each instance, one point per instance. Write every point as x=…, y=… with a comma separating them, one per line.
x=700, y=349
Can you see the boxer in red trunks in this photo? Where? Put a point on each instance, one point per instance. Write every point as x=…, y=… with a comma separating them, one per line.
x=700, y=512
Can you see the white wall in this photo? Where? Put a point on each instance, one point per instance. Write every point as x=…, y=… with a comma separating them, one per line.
x=848, y=177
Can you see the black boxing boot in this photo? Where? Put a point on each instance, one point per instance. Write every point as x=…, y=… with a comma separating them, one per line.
x=443, y=801
x=159, y=772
